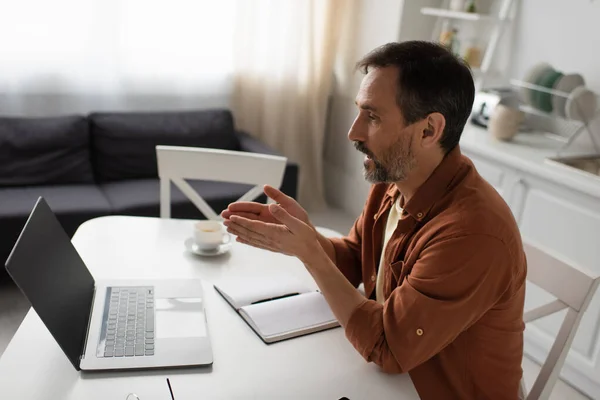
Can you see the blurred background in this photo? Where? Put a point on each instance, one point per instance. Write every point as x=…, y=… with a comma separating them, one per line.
x=284, y=69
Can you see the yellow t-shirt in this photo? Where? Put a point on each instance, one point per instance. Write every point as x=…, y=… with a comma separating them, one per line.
x=392, y=221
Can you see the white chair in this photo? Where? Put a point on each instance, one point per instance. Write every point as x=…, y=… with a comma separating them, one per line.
x=176, y=164
x=573, y=288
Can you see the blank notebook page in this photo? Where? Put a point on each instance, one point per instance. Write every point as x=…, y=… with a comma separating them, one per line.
x=290, y=313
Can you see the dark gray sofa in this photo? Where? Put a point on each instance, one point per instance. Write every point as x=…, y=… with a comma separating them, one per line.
x=105, y=163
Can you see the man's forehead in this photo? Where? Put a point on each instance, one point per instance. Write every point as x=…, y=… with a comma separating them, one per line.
x=378, y=87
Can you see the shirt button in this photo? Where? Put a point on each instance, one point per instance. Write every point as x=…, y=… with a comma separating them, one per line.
x=373, y=278
x=419, y=215
x=419, y=332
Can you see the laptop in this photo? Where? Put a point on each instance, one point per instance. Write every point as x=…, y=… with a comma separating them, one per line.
x=106, y=325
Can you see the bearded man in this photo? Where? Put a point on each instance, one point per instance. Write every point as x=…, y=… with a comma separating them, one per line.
x=436, y=247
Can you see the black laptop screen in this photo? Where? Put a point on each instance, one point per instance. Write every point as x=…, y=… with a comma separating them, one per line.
x=52, y=275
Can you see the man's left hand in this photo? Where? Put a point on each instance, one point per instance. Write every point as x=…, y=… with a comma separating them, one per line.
x=292, y=237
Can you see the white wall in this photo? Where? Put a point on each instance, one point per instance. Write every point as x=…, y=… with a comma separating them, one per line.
x=565, y=34
x=378, y=22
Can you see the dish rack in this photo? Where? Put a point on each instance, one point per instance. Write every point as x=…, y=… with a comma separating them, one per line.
x=569, y=129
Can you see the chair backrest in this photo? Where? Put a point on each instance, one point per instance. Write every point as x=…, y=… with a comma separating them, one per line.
x=176, y=164
x=573, y=288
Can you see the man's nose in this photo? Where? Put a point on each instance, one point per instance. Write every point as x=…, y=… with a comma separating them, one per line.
x=357, y=132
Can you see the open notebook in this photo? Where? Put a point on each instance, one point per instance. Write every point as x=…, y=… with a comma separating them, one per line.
x=279, y=308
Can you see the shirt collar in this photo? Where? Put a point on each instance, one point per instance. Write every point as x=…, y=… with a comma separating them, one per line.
x=433, y=188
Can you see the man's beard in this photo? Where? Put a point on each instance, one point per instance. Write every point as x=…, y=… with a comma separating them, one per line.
x=394, y=166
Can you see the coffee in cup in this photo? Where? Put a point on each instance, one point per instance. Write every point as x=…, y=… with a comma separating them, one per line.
x=209, y=234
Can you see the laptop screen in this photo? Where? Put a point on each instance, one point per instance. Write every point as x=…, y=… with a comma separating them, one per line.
x=52, y=275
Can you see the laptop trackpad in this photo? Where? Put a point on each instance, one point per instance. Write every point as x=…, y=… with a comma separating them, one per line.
x=179, y=318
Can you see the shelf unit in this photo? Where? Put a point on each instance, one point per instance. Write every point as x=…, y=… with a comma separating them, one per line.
x=499, y=21
x=444, y=13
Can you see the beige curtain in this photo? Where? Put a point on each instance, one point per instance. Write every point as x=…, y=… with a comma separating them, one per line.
x=284, y=57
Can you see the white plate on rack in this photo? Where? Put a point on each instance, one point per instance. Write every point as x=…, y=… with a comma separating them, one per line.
x=223, y=248
x=566, y=84
x=581, y=104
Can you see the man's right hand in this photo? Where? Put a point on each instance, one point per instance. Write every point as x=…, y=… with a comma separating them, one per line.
x=258, y=211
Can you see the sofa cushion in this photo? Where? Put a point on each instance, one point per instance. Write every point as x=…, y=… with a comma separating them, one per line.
x=124, y=144
x=41, y=151
x=142, y=197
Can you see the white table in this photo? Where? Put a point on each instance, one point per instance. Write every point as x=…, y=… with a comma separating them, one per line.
x=319, y=366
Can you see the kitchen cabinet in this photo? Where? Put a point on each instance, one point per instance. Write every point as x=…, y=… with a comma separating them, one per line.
x=555, y=211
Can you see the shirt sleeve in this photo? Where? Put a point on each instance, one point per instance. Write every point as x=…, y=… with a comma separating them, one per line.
x=454, y=282
x=348, y=252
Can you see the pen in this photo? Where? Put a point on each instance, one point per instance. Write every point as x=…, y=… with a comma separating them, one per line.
x=170, y=389
x=276, y=298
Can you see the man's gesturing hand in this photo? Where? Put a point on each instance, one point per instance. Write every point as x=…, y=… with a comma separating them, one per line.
x=260, y=212
x=288, y=234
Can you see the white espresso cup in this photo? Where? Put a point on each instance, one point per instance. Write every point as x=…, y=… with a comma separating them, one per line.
x=209, y=234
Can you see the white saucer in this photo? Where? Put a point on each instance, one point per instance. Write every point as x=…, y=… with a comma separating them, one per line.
x=217, y=251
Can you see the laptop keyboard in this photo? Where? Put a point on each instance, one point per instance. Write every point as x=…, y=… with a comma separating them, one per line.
x=128, y=326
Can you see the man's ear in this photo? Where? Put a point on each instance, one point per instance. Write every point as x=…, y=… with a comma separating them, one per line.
x=433, y=129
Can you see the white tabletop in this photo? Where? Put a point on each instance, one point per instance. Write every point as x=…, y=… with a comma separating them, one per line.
x=319, y=366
